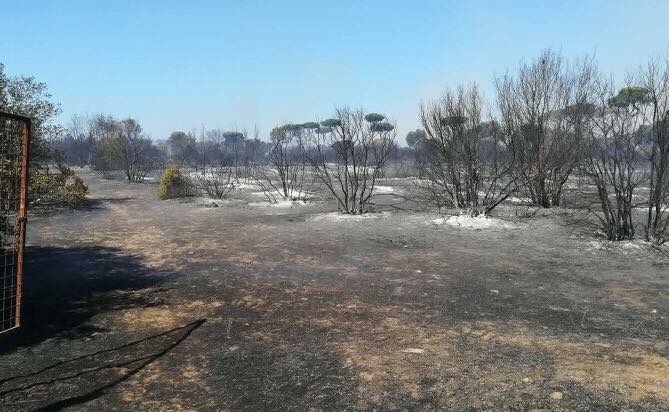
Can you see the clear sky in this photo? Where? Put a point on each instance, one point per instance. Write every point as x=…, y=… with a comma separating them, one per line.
x=235, y=64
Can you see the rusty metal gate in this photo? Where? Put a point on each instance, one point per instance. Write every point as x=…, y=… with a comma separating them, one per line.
x=14, y=144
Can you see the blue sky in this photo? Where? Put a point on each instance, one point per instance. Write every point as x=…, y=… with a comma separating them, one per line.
x=223, y=64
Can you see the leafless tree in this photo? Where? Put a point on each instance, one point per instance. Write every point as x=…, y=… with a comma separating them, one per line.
x=654, y=79
x=417, y=143
x=532, y=108
x=137, y=154
x=75, y=146
x=286, y=176
x=215, y=182
x=214, y=176
x=233, y=149
x=247, y=160
x=614, y=159
x=121, y=146
x=347, y=154
x=182, y=148
x=469, y=165
x=103, y=131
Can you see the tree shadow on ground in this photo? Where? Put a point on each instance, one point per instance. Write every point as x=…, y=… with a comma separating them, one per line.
x=99, y=203
x=299, y=373
x=65, y=287
x=87, y=205
x=85, y=378
x=545, y=305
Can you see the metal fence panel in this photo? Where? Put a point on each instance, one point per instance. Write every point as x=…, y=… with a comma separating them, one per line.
x=14, y=144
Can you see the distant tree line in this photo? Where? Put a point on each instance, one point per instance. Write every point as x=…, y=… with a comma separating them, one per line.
x=555, y=131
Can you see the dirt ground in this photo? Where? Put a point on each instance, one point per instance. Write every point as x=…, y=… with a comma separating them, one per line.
x=138, y=304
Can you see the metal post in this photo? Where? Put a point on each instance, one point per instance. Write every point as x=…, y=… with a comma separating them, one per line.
x=23, y=216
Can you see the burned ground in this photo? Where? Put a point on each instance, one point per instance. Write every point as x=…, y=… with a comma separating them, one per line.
x=136, y=303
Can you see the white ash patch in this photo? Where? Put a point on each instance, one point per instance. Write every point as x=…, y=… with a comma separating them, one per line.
x=474, y=223
x=280, y=204
x=383, y=189
x=619, y=247
x=343, y=217
x=211, y=201
x=246, y=186
x=293, y=194
x=520, y=200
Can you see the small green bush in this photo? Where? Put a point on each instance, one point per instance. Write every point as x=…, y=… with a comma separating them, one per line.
x=56, y=189
x=173, y=184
